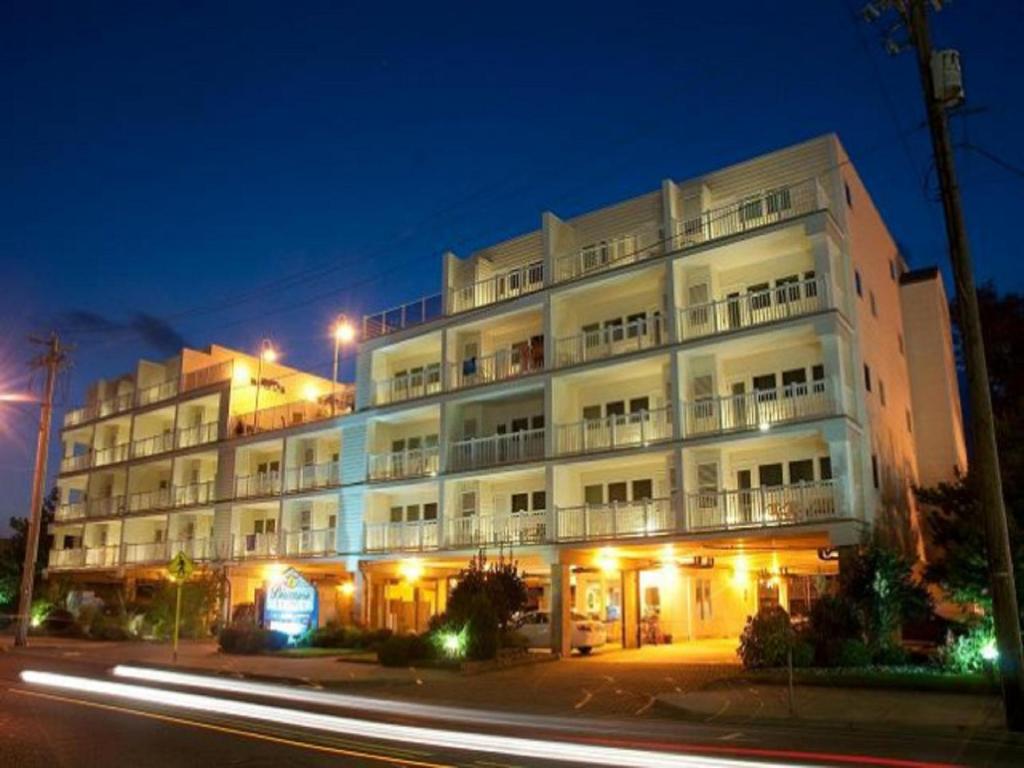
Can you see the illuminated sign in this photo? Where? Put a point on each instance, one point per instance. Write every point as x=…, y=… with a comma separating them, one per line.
x=291, y=604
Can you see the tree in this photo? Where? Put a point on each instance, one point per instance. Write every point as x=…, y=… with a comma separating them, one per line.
x=12, y=558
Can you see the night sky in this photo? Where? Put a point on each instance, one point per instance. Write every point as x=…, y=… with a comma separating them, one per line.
x=219, y=172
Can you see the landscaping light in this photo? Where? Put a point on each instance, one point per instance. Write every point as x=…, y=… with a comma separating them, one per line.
x=989, y=652
x=764, y=426
x=453, y=644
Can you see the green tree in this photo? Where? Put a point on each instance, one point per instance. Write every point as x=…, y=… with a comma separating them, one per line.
x=12, y=557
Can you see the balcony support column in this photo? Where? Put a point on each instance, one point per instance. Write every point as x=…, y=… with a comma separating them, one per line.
x=630, y=608
x=561, y=610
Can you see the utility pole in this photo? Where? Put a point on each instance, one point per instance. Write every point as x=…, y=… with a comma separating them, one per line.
x=53, y=360
x=985, y=469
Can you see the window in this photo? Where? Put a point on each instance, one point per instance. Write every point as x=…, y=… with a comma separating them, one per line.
x=779, y=200
x=761, y=296
x=825, y=467
x=617, y=408
x=787, y=289
x=636, y=325
x=613, y=329
x=874, y=470
x=899, y=342
x=540, y=500
x=643, y=489
x=792, y=381
x=874, y=304
x=849, y=195
x=520, y=502
x=818, y=377
x=467, y=503
x=769, y=474
x=707, y=485
x=537, y=422
x=617, y=492
x=429, y=510
x=591, y=412
x=801, y=471
x=593, y=494
x=857, y=283
x=867, y=377
x=810, y=285
x=412, y=513
x=764, y=385
x=520, y=425
x=397, y=515
x=638, y=404
x=881, y=391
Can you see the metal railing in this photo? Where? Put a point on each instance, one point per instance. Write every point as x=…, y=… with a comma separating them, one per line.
x=312, y=476
x=642, y=333
x=279, y=417
x=260, y=484
x=414, y=536
x=643, y=243
x=412, y=462
x=211, y=374
x=198, y=434
x=750, y=309
x=145, y=552
x=503, y=364
x=763, y=507
x=77, y=462
x=79, y=416
x=151, y=446
x=196, y=549
x=510, y=448
x=417, y=312
x=157, y=392
x=193, y=494
x=142, y=501
x=507, y=284
x=761, y=408
x=407, y=387
x=111, y=455
x=611, y=432
x=315, y=543
x=649, y=517
x=255, y=545
x=67, y=558
x=516, y=528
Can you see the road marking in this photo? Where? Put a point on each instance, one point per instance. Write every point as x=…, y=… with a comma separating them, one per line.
x=645, y=707
x=584, y=701
x=233, y=731
x=731, y=736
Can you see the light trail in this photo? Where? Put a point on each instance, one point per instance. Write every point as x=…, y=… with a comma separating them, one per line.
x=419, y=735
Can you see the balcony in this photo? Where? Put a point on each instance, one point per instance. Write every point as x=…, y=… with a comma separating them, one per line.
x=613, y=432
x=504, y=364
x=408, y=387
x=71, y=510
x=764, y=507
x=205, y=377
x=312, y=476
x=317, y=543
x=145, y=552
x=193, y=494
x=511, y=448
x=200, y=434
x=111, y=455
x=752, y=309
x=417, y=536
x=196, y=549
x=397, y=465
x=79, y=416
x=260, y=484
x=504, y=285
x=515, y=529
x=149, y=500
x=642, y=333
x=151, y=446
x=67, y=558
x=280, y=417
x=157, y=392
x=251, y=546
x=102, y=557
x=117, y=404
x=108, y=506
x=761, y=408
x=644, y=243
x=618, y=519
x=414, y=313
x=76, y=463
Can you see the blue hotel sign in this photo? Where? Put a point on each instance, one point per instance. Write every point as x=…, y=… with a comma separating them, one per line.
x=291, y=604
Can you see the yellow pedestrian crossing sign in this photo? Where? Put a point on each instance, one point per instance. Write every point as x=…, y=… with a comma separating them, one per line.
x=180, y=567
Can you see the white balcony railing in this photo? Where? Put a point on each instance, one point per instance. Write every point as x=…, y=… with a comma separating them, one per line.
x=197, y=549
x=116, y=404
x=145, y=552
x=102, y=557
x=157, y=392
x=315, y=543
x=198, y=434
x=510, y=448
x=417, y=312
x=260, y=484
x=503, y=364
x=516, y=529
x=612, y=432
x=643, y=243
x=413, y=462
x=193, y=494
x=761, y=408
x=504, y=285
x=70, y=510
x=414, y=536
x=764, y=507
x=76, y=463
x=642, y=333
x=256, y=545
x=151, y=446
x=108, y=506
x=146, y=500
x=649, y=517
x=408, y=386
x=67, y=558
x=312, y=476
x=79, y=416
x=111, y=455
x=750, y=309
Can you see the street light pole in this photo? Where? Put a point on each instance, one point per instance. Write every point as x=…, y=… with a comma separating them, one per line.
x=267, y=354
x=53, y=360
x=343, y=334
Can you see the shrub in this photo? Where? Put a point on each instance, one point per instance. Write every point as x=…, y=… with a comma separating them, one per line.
x=330, y=636
x=403, y=650
x=248, y=640
x=803, y=653
x=60, y=621
x=891, y=656
x=766, y=639
x=965, y=652
x=854, y=653
x=832, y=622
x=482, y=628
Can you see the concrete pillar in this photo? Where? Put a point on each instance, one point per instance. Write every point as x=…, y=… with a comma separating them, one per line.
x=630, y=609
x=359, y=613
x=561, y=609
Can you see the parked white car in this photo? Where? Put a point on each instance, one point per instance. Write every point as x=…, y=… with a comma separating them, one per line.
x=587, y=634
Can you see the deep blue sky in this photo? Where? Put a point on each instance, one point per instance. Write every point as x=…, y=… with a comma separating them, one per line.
x=170, y=158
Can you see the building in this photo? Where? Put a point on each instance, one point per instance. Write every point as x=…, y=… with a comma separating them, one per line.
x=669, y=411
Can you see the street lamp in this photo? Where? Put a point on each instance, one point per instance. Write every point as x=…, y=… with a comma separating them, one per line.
x=267, y=355
x=344, y=333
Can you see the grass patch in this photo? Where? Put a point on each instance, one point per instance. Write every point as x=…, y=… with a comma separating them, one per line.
x=313, y=653
x=895, y=678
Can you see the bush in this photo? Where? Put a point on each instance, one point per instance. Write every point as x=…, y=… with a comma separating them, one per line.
x=248, y=640
x=403, y=650
x=60, y=621
x=331, y=636
x=963, y=653
x=891, y=656
x=832, y=622
x=803, y=653
x=854, y=653
x=766, y=639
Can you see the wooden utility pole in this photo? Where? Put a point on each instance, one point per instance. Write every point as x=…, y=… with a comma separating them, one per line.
x=985, y=469
x=53, y=360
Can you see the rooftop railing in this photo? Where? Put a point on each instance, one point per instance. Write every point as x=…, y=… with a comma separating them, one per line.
x=205, y=377
x=628, y=248
x=507, y=284
x=279, y=417
x=414, y=313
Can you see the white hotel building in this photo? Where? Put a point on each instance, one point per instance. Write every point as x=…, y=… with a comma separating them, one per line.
x=683, y=405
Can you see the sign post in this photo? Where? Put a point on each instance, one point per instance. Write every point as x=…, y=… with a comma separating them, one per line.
x=179, y=569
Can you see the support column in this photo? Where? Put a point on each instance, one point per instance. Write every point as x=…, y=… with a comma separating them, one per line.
x=630, y=609
x=561, y=610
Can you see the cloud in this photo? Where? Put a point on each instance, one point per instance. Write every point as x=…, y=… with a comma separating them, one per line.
x=156, y=334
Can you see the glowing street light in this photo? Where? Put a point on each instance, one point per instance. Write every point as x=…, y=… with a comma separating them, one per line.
x=344, y=333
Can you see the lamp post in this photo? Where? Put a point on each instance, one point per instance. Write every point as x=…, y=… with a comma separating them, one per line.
x=344, y=333
x=267, y=354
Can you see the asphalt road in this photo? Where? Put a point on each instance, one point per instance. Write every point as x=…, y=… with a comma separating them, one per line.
x=53, y=727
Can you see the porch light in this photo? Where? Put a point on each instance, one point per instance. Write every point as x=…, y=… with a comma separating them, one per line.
x=411, y=570
x=310, y=393
x=241, y=374
x=607, y=561
x=740, y=572
x=273, y=572
x=347, y=588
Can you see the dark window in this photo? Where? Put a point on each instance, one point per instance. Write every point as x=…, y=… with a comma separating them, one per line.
x=792, y=381
x=617, y=492
x=643, y=489
x=412, y=512
x=520, y=425
x=636, y=325
x=520, y=502
x=613, y=329
x=593, y=494
x=779, y=200
x=801, y=471
x=825, y=467
x=857, y=283
x=430, y=510
x=874, y=470
x=591, y=412
x=638, y=404
x=769, y=474
x=540, y=500
x=787, y=289
x=537, y=422
x=765, y=386
x=397, y=514
x=810, y=285
x=849, y=194
x=867, y=377
x=874, y=304
x=762, y=296
x=618, y=408
x=818, y=377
